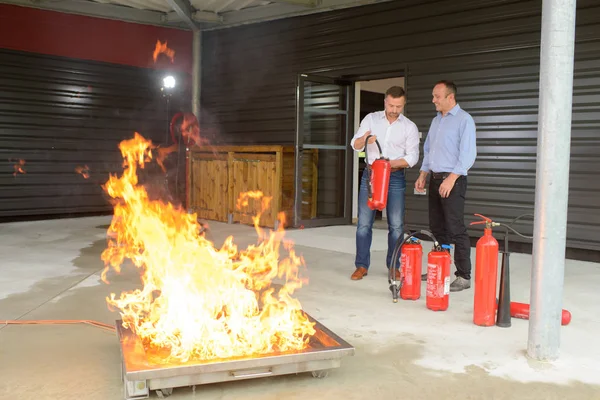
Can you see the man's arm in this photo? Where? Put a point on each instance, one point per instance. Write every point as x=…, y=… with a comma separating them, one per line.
x=412, y=150
x=358, y=141
x=467, y=148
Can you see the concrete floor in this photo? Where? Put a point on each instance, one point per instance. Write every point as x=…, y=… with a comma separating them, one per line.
x=50, y=270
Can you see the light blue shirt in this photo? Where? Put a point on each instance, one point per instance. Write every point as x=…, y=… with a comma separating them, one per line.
x=450, y=145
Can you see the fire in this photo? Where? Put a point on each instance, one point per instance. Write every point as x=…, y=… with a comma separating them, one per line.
x=199, y=302
x=19, y=167
x=161, y=48
x=84, y=171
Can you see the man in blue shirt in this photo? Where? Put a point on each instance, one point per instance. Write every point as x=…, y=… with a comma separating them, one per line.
x=449, y=152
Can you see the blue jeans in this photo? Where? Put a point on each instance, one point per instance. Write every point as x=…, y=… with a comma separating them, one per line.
x=366, y=217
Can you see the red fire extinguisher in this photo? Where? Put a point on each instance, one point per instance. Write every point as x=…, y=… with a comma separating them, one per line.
x=486, y=275
x=411, y=264
x=521, y=310
x=438, y=278
x=379, y=179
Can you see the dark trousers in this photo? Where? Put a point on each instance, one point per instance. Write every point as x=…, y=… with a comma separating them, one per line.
x=446, y=221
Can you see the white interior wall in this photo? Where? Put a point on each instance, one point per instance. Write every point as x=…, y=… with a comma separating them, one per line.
x=376, y=86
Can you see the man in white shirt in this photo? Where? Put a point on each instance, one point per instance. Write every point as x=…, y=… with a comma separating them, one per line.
x=398, y=137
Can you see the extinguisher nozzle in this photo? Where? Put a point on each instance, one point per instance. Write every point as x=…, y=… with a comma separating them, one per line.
x=503, y=318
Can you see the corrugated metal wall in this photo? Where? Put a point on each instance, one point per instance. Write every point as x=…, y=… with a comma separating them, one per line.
x=58, y=114
x=489, y=47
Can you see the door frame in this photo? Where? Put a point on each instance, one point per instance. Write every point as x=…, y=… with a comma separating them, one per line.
x=346, y=219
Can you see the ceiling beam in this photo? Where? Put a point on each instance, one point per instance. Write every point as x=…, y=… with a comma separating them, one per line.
x=197, y=16
x=94, y=9
x=281, y=9
x=305, y=3
x=184, y=10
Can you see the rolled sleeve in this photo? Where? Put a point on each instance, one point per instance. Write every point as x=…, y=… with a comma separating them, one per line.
x=364, y=127
x=412, y=146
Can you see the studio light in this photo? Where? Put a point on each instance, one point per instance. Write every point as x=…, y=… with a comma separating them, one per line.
x=169, y=82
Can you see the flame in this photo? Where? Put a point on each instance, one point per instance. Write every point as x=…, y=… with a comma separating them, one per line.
x=161, y=48
x=18, y=167
x=199, y=302
x=190, y=129
x=162, y=153
x=84, y=171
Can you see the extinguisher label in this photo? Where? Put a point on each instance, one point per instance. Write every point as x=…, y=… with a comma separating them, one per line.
x=446, y=285
x=432, y=278
x=406, y=270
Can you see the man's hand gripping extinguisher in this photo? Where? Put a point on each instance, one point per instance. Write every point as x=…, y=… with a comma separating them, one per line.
x=378, y=176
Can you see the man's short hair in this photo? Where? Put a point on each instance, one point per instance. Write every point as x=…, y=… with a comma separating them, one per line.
x=450, y=87
x=395, y=92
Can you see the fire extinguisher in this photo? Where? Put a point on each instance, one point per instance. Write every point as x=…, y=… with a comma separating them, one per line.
x=407, y=259
x=438, y=278
x=486, y=275
x=521, y=311
x=410, y=269
x=378, y=176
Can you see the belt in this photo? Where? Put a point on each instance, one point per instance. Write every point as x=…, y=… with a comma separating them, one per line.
x=440, y=175
x=397, y=169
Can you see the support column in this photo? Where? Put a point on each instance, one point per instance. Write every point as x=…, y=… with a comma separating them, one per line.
x=552, y=177
x=196, y=71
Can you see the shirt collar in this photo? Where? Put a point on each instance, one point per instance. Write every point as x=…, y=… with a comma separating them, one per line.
x=399, y=117
x=454, y=110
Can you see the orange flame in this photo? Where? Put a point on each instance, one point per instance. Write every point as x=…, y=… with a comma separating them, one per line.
x=18, y=167
x=161, y=48
x=84, y=171
x=199, y=302
x=190, y=129
x=163, y=152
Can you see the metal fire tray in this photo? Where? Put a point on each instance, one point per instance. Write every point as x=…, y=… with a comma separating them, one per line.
x=141, y=375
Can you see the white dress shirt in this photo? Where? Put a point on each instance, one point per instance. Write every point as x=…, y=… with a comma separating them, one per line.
x=400, y=139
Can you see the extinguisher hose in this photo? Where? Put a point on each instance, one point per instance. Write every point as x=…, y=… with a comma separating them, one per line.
x=509, y=227
x=369, y=186
x=398, y=248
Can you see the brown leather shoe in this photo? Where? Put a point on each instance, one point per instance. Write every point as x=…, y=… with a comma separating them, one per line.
x=397, y=274
x=359, y=274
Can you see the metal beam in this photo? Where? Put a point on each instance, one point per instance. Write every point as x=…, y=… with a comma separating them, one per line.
x=552, y=178
x=184, y=9
x=196, y=72
x=94, y=9
x=197, y=16
x=305, y=3
x=282, y=10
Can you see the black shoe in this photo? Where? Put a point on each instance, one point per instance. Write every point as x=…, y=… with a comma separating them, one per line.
x=424, y=277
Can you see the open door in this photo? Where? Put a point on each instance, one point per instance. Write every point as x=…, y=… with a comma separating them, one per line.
x=323, y=156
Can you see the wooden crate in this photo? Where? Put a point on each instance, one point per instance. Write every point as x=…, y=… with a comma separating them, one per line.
x=219, y=175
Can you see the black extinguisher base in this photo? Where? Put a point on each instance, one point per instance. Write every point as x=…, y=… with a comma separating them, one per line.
x=503, y=318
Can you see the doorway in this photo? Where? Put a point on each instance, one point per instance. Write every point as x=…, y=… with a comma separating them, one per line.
x=368, y=97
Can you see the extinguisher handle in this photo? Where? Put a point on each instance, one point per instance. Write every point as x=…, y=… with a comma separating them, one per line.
x=378, y=146
x=485, y=219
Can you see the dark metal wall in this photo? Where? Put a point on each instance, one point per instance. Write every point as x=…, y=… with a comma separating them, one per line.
x=58, y=114
x=489, y=47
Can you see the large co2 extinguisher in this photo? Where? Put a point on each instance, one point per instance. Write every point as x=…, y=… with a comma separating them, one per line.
x=486, y=275
x=378, y=178
x=438, y=278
